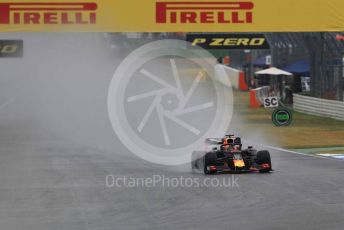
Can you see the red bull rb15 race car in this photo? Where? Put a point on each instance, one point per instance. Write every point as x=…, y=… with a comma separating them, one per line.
x=226, y=155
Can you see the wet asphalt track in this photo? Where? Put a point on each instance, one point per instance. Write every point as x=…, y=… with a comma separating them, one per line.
x=54, y=186
x=49, y=182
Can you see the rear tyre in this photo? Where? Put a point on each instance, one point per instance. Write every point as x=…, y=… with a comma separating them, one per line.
x=193, y=167
x=210, y=159
x=263, y=157
x=196, y=157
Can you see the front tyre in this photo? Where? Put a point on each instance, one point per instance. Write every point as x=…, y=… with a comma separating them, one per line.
x=264, y=159
x=210, y=159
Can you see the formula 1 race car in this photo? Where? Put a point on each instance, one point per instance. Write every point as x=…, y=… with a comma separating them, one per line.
x=226, y=155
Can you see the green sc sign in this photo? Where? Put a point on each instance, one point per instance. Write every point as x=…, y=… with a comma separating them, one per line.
x=282, y=117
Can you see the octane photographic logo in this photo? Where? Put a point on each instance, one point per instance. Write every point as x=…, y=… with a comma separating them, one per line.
x=282, y=117
x=38, y=13
x=164, y=100
x=220, y=12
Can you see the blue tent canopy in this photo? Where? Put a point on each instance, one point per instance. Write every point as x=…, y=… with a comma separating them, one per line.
x=260, y=62
x=300, y=67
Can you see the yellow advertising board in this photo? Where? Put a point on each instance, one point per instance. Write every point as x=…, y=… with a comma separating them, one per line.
x=172, y=15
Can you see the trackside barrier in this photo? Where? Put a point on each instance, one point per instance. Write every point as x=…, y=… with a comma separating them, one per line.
x=220, y=77
x=236, y=78
x=319, y=107
x=257, y=96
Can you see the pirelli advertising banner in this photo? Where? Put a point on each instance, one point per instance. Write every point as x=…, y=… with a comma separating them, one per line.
x=172, y=15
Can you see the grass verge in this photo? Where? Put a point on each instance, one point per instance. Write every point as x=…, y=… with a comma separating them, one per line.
x=306, y=131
